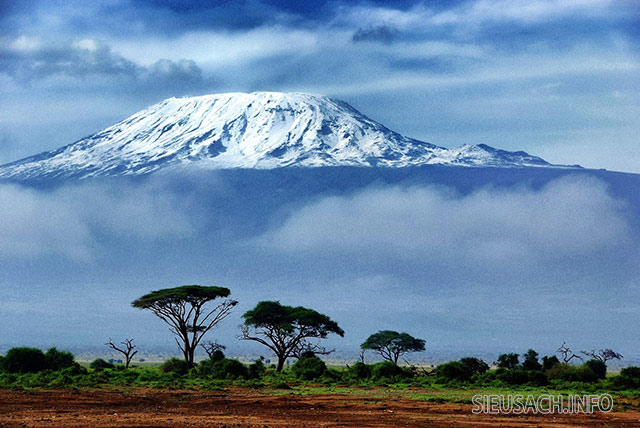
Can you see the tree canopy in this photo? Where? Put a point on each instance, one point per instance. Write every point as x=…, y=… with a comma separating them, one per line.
x=192, y=294
x=285, y=329
x=183, y=309
x=391, y=344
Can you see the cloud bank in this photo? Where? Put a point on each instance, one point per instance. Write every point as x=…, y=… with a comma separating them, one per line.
x=74, y=223
x=525, y=265
x=572, y=223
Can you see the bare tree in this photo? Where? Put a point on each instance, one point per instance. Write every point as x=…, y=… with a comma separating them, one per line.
x=305, y=346
x=603, y=355
x=128, y=350
x=361, y=355
x=211, y=347
x=417, y=371
x=567, y=353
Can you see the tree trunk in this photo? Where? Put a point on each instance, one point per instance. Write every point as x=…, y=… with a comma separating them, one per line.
x=188, y=356
x=281, y=360
x=190, y=353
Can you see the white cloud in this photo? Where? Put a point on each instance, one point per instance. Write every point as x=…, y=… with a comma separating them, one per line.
x=526, y=11
x=38, y=224
x=67, y=222
x=219, y=49
x=571, y=220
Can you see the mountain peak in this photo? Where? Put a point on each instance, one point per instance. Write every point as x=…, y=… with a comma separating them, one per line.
x=249, y=130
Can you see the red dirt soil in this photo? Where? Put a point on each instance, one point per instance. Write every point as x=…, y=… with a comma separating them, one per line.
x=247, y=408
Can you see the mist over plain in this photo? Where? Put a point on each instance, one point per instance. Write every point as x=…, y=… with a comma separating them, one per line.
x=469, y=259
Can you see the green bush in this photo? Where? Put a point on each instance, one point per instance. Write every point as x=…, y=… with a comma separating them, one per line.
x=475, y=365
x=462, y=370
x=257, y=369
x=507, y=361
x=217, y=355
x=569, y=373
x=520, y=376
x=222, y=369
x=74, y=370
x=309, y=367
x=389, y=370
x=629, y=378
x=453, y=371
x=548, y=362
x=174, y=365
x=598, y=367
x=25, y=360
x=58, y=360
x=100, y=364
x=531, y=362
x=359, y=371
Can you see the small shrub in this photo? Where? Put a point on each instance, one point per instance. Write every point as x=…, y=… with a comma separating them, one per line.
x=359, y=371
x=217, y=355
x=507, y=361
x=174, y=365
x=309, y=367
x=100, y=364
x=598, y=367
x=549, y=362
x=74, y=370
x=389, y=370
x=453, y=371
x=475, y=365
x=257, y=369
x=569, y=373
x=520, y=376
x=58, y=360
x=531, y=362
x=24, y=360
x=462, y=370
x=222, y=369
x=629, y=378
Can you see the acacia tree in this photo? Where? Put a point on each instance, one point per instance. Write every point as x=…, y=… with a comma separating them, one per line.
x=603, y=355
x=391, y=344
x=567, y=353
x=127, y=350
x=212, y=347
x=286, y=329
x=183, y=309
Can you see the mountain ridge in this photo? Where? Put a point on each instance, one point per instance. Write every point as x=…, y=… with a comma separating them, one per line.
x=262, y=130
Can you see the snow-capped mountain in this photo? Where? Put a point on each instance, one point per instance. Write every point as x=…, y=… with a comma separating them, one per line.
x=261, y=130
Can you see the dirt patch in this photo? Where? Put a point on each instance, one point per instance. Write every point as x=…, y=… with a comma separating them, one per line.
x=240, y=407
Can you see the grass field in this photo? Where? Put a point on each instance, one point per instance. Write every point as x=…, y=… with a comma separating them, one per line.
x=228, y=393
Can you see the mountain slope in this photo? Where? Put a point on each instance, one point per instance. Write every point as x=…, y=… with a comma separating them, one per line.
x=261, y=130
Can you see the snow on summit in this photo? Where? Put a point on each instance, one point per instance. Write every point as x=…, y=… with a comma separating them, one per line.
x=257, y=130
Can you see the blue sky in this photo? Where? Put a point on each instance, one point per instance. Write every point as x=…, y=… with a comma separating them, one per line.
x=559, y=79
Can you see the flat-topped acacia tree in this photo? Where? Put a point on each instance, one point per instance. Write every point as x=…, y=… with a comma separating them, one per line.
x=183, y=309
x=391, y=344
x=284, y=329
